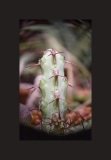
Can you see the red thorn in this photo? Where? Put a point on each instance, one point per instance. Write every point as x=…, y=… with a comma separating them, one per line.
x=30, y=88
x=70, y=85
x=52, y=101
x=53, y=54
x=33, y=65
x=55, y=76
x=49, y=54
x=61, y=76
x=34, y=88
x=51, y=77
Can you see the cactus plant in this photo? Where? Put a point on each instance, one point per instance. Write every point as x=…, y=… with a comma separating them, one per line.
x=56, y=117
x=53, y=88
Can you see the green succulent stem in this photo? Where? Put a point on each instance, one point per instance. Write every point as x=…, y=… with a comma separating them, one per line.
x=53, y=88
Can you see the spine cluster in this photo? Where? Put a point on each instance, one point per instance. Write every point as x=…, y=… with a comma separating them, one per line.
x=53, y=88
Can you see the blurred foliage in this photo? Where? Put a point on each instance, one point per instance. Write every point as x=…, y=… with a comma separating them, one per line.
x=75, y=36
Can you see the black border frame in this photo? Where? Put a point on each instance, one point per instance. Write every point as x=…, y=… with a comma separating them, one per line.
x=11, y=146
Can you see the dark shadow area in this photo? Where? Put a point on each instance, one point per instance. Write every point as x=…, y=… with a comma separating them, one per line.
x=27, y=133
